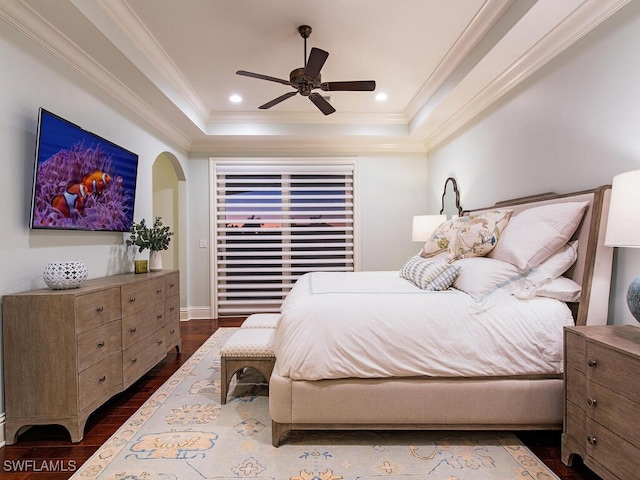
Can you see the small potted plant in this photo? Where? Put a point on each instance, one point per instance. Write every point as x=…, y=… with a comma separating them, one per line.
x=155, y=238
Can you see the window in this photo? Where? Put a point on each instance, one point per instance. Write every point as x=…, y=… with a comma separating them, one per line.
x=273, y=222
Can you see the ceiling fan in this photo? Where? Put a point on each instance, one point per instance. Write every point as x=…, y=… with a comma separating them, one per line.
x=308, y=78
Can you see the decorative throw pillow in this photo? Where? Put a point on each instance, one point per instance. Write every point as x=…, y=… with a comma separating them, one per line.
x=477, y=235
x=535, y=234
x=439, y=240
x=429, y=274
x=469, y=236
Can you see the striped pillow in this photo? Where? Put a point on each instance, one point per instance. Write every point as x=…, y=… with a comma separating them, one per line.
x=429, y=274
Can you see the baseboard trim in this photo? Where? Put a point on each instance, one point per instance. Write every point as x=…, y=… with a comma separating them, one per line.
x=193, y=313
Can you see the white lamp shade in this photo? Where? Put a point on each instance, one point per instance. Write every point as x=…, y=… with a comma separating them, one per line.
x=425, y=225
x=623, y=227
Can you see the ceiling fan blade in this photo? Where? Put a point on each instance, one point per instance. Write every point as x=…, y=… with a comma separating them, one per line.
x=355, y=86
x=262, y=77
x=276, y=101
x=319, y=101
x=317, y=58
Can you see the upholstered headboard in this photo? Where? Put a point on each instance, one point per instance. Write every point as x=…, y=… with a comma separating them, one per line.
x=592, y=269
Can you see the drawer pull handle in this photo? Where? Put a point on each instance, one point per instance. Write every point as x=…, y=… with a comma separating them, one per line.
x=171, y=285
x=173, y=330
x=171, y=309
x=132, y=299
x=133, y=330
x=160, y=342
x=101, y=343
x=592, y=402
x=592, y=363
x=102, y=378
x=591, y=439
x=134, y=359
x=159, y=291
x=100, y=309
x=159, y=316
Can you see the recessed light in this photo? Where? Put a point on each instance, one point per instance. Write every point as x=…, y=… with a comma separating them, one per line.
x=235, y=98
x=381, y=97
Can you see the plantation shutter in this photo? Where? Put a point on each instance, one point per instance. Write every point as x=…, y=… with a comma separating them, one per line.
x=273, y=223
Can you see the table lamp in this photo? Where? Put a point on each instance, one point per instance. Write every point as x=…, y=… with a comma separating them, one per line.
x=425, y=225
x=623, y=227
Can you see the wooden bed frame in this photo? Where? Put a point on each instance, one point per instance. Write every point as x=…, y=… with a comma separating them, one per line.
x=457, y=404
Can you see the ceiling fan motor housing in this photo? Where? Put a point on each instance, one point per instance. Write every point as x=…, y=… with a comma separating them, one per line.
x=303, y=82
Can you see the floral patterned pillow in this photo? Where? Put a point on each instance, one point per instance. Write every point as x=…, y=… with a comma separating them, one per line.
x=469, y=236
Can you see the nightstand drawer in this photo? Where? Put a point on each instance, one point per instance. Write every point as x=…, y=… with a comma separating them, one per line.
x=98, y=343
x=618, y=413
x=614, y=370
x=95, y=309
x=611, y=451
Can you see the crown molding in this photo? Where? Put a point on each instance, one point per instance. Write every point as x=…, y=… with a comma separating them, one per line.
x=41, y=32
x=581, y=21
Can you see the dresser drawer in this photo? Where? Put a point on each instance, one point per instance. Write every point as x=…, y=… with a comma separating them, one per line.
x=171, y=284
x=101, y=380
x=611, y=451
x=614, y=370
x=138, y=296
x=98, y=343
x=141, y=356
x=98, y=308
x=136, y=327
x=172, y=328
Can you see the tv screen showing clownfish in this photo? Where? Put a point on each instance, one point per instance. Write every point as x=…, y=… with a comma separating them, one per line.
x=81, y=180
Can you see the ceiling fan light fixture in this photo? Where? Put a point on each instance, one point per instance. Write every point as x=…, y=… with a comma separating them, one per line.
x=381, y=97
x=235, y=98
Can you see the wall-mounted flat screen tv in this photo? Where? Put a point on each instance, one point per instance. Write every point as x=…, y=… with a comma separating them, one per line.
x=81, y=181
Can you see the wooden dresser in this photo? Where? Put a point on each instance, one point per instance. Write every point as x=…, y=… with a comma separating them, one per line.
x=602, y=399
x=66, y=352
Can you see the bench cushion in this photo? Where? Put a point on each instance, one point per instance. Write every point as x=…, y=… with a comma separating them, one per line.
x=249, y=342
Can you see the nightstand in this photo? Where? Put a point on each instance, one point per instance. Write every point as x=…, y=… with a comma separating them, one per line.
x=602, y=399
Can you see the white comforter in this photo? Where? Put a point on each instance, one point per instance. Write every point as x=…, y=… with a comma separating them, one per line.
x=376, y=324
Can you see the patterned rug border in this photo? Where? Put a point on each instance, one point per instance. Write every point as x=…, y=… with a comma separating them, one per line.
x=107, y=452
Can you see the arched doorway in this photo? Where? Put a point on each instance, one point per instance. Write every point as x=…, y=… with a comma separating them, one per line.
x=168, y=177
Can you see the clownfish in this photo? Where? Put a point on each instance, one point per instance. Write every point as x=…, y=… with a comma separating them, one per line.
x=96, y=181
x=72, y=198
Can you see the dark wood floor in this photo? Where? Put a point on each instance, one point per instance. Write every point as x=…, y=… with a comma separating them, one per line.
x=50, y=446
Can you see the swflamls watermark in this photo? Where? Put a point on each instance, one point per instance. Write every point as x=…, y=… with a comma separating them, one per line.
x=23, y=465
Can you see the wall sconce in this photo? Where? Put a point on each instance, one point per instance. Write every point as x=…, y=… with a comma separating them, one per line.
x=623, y=226
x=425, y=225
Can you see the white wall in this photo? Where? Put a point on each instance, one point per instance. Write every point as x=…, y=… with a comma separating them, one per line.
x=572, y=126
x=391, y=190
x=31, y=79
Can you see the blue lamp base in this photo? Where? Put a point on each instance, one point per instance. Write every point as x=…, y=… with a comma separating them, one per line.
x=633, y=298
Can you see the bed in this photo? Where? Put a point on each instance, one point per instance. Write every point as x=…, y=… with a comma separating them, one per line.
x=369, y=350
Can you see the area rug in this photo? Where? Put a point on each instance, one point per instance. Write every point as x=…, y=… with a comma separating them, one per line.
x=183, y=432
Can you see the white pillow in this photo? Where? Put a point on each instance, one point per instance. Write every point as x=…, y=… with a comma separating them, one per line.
x=561, y=288
x=482, y=277
x=429, y=274
x=535, y=234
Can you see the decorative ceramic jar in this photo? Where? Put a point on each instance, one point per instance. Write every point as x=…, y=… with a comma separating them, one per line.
x=64, y=275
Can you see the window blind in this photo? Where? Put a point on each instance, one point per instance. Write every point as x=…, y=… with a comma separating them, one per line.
x=274, y=223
